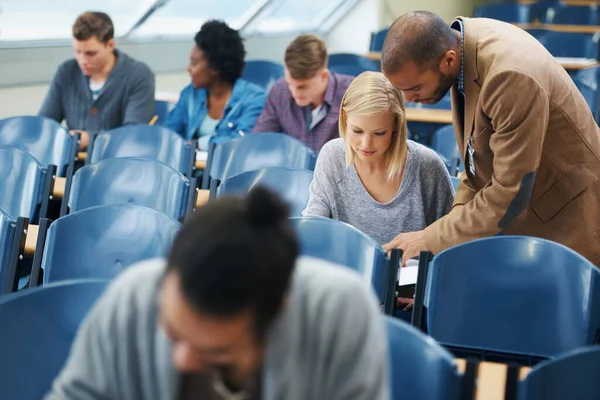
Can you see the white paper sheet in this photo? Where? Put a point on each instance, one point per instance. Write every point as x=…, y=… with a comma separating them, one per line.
x=408, y=275
x=201, y=155
x=575, y=60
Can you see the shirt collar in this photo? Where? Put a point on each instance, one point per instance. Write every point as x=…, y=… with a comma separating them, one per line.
x=459, y=26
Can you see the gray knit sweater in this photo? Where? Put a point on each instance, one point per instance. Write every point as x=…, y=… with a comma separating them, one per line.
x=126, y=98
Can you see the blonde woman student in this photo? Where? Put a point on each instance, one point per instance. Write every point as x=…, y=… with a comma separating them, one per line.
x=373, y=177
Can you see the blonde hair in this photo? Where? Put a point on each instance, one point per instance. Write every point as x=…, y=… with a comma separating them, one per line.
x=305, y=56
x=371, y=93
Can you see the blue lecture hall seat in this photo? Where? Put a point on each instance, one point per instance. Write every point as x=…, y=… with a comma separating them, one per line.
x=455, y=182
x=140, y=181
x=377, y=40
x=337, y=60
x=7, y=241
x=352, y=70
x=100, y=242
x=419, y=367
x=263, y=73
x=343, y=244
x=524, y=297
x=38, y=327
x=146, y=141
x=587, y=83
x=507, y=12
x=292, y=184
x=24, y=185
x=45, y=139
x=162, y=109
x=568, y=44
x=572, y=375
x=444, y=143
x=562, y=14
x=253, y=152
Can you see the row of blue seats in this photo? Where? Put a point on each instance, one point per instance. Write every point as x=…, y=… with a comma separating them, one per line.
x=545, y=12
x=44, y=321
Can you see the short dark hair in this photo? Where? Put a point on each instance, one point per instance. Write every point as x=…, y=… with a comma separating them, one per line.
x=224, y=49
x=93, y=24
x=236, y=254
x=421, y=37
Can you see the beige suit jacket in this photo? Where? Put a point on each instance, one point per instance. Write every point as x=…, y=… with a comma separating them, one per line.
x=536, y=146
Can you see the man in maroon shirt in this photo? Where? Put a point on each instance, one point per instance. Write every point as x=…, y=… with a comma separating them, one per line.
x=306, y=103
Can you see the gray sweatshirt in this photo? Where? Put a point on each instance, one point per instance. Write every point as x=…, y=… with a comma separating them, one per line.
x=126, y=98
x=328, y=344
x=425, y=194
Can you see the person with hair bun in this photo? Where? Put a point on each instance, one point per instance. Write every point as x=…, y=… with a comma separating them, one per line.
x=373, y=178
x=217, y=105
x=233, y=313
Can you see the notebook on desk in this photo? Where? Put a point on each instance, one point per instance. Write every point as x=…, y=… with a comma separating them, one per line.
x=408, y=275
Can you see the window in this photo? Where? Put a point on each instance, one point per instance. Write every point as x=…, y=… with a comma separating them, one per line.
x=22, y=20
x=184, y=17
x=295, y=16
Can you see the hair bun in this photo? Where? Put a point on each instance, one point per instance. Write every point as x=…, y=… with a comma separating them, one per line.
x=265, y=207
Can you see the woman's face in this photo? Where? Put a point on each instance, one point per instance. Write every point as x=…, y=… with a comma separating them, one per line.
x=370, y=136
x=199, y=69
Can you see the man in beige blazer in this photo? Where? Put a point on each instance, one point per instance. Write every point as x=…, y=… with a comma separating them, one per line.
x=529, y=141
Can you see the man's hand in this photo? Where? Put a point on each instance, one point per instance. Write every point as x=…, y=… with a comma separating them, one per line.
x=83, y=136
x=411, y=243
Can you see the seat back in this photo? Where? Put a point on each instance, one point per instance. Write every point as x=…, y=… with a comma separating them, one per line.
x=377, y=40
x=162, y=109
x=7, y=236
x=419, y=367
x=146, y=141
x=455, y=182
x=45, y=139
x=513, y=294
x=348, y=59
x=258, y=151
x=138, y=181
x=343, y=244
x=262, y=72
x=21, y=183
x=100, y=242
x=507, y=12
x=38, y=327
x=568, y=44
x=573, y=375
x=572, y=15
x=444, y=143
x=292, y=184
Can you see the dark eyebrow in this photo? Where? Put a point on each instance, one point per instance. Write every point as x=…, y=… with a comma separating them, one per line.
x=412, y=88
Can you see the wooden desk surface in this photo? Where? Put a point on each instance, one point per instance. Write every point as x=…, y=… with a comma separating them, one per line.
x=31, y=239
x=436, y=116
x=200, y=164
x=58, y=187
x=491, y=379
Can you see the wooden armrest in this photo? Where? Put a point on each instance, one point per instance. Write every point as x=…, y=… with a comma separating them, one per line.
x=31, y=239
x=82, y=156
x=201, y=164
x=58, y=187
x=202, y=197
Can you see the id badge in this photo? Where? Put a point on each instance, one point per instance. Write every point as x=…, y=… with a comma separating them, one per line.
x=471, y=155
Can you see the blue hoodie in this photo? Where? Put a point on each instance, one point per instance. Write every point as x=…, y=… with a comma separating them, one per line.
x=240, y=114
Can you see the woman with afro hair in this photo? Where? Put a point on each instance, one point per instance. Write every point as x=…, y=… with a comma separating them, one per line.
x=218, y=105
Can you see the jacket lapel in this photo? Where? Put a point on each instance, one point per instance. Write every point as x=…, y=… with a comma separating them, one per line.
x=471, y=75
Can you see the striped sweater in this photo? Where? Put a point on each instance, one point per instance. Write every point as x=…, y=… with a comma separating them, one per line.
x=126, y=98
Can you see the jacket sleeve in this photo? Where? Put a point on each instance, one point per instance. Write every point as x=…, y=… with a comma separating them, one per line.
x=251, y=107
x=52, y=107
x=518, y=107
x=268, y=121
x=140, y=103
x=177, y=119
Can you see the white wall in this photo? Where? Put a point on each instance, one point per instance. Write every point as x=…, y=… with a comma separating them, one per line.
x=353, y=33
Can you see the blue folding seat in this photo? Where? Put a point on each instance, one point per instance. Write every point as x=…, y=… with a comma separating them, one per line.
x=377, y=40
x=100, y=242
x=262, y=73
x=292, y=184
x=38, y=328
x=162, y=109
x=348, y=59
